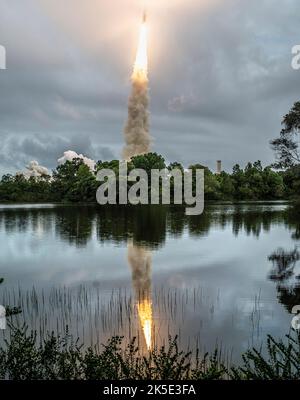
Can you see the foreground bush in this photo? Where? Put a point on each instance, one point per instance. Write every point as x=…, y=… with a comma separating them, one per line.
x=282, y=362
x=62, y=358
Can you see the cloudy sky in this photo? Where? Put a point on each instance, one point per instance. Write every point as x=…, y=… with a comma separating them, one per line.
x=220, y=72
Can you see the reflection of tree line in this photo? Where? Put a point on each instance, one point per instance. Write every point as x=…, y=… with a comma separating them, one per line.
x=293, y=219
x=147, y=225
x=284, y=264
x=284, y=275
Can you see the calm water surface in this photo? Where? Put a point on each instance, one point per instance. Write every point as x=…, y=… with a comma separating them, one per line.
x=228, y=277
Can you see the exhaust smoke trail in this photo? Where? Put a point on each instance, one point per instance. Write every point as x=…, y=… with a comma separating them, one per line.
x=136, y=132
x=139, y=260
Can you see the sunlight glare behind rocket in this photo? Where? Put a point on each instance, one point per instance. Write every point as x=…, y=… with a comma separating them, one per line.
x=140, y=69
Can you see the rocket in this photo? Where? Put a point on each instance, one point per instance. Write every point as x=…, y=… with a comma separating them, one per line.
x=144, y=17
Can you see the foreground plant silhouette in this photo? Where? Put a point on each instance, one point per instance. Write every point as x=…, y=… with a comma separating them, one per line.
x=63, y=358
x=282, y=362
x=22, y=358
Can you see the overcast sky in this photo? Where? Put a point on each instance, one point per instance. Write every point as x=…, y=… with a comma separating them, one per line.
x=220, y=75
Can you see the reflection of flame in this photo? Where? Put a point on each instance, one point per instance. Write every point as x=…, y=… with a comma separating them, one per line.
x=145, y=314
x=140, y=70
x=140, y=261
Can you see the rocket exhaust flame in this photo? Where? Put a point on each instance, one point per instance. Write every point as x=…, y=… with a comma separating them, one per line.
x=140, y=262
x=136, y=131
x=140, y=70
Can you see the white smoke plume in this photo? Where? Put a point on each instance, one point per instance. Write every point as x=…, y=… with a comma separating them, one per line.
x=71, y=155
x=137, y=136
x=33, y=169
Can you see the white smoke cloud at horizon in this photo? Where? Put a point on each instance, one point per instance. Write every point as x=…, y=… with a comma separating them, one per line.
x=33, y=169
x=70, y=155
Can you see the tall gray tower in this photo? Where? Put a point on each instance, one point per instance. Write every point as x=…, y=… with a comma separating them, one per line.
x=219, y=167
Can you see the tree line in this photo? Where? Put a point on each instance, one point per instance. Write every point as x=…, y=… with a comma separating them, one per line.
x=75, y=182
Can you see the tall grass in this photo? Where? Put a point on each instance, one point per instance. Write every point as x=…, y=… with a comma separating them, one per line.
x=94, y=314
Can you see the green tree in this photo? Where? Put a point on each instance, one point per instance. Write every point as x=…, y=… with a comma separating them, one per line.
x=114, y=165
x=286, y=146
x=226, y=185
x=176, y=165
x=211, y=183
x=273, y=184
x=238, y=178
x=74, y=181
x=291, y=180
x=149, y=161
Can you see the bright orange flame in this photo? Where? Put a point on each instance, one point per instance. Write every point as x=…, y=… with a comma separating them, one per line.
x=145, y=314
x=140, y=70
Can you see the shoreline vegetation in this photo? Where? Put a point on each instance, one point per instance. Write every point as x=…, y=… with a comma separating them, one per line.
x=290, y=202
x=74, y=182
x=23, y=357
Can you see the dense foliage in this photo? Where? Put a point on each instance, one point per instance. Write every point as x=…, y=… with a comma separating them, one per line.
x=282, y=362
x=286, y=146
x=75, y=182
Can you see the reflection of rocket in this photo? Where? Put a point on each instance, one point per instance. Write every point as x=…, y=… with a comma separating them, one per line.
x=139, y=260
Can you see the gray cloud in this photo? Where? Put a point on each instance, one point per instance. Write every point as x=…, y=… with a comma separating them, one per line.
x=220, y=78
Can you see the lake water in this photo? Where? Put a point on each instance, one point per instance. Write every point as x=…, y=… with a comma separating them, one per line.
x=226, y=278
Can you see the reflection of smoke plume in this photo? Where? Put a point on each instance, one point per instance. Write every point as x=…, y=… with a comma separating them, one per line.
x=71, y=155
x=137, y=128
x=34, y=170
x=140, y=261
